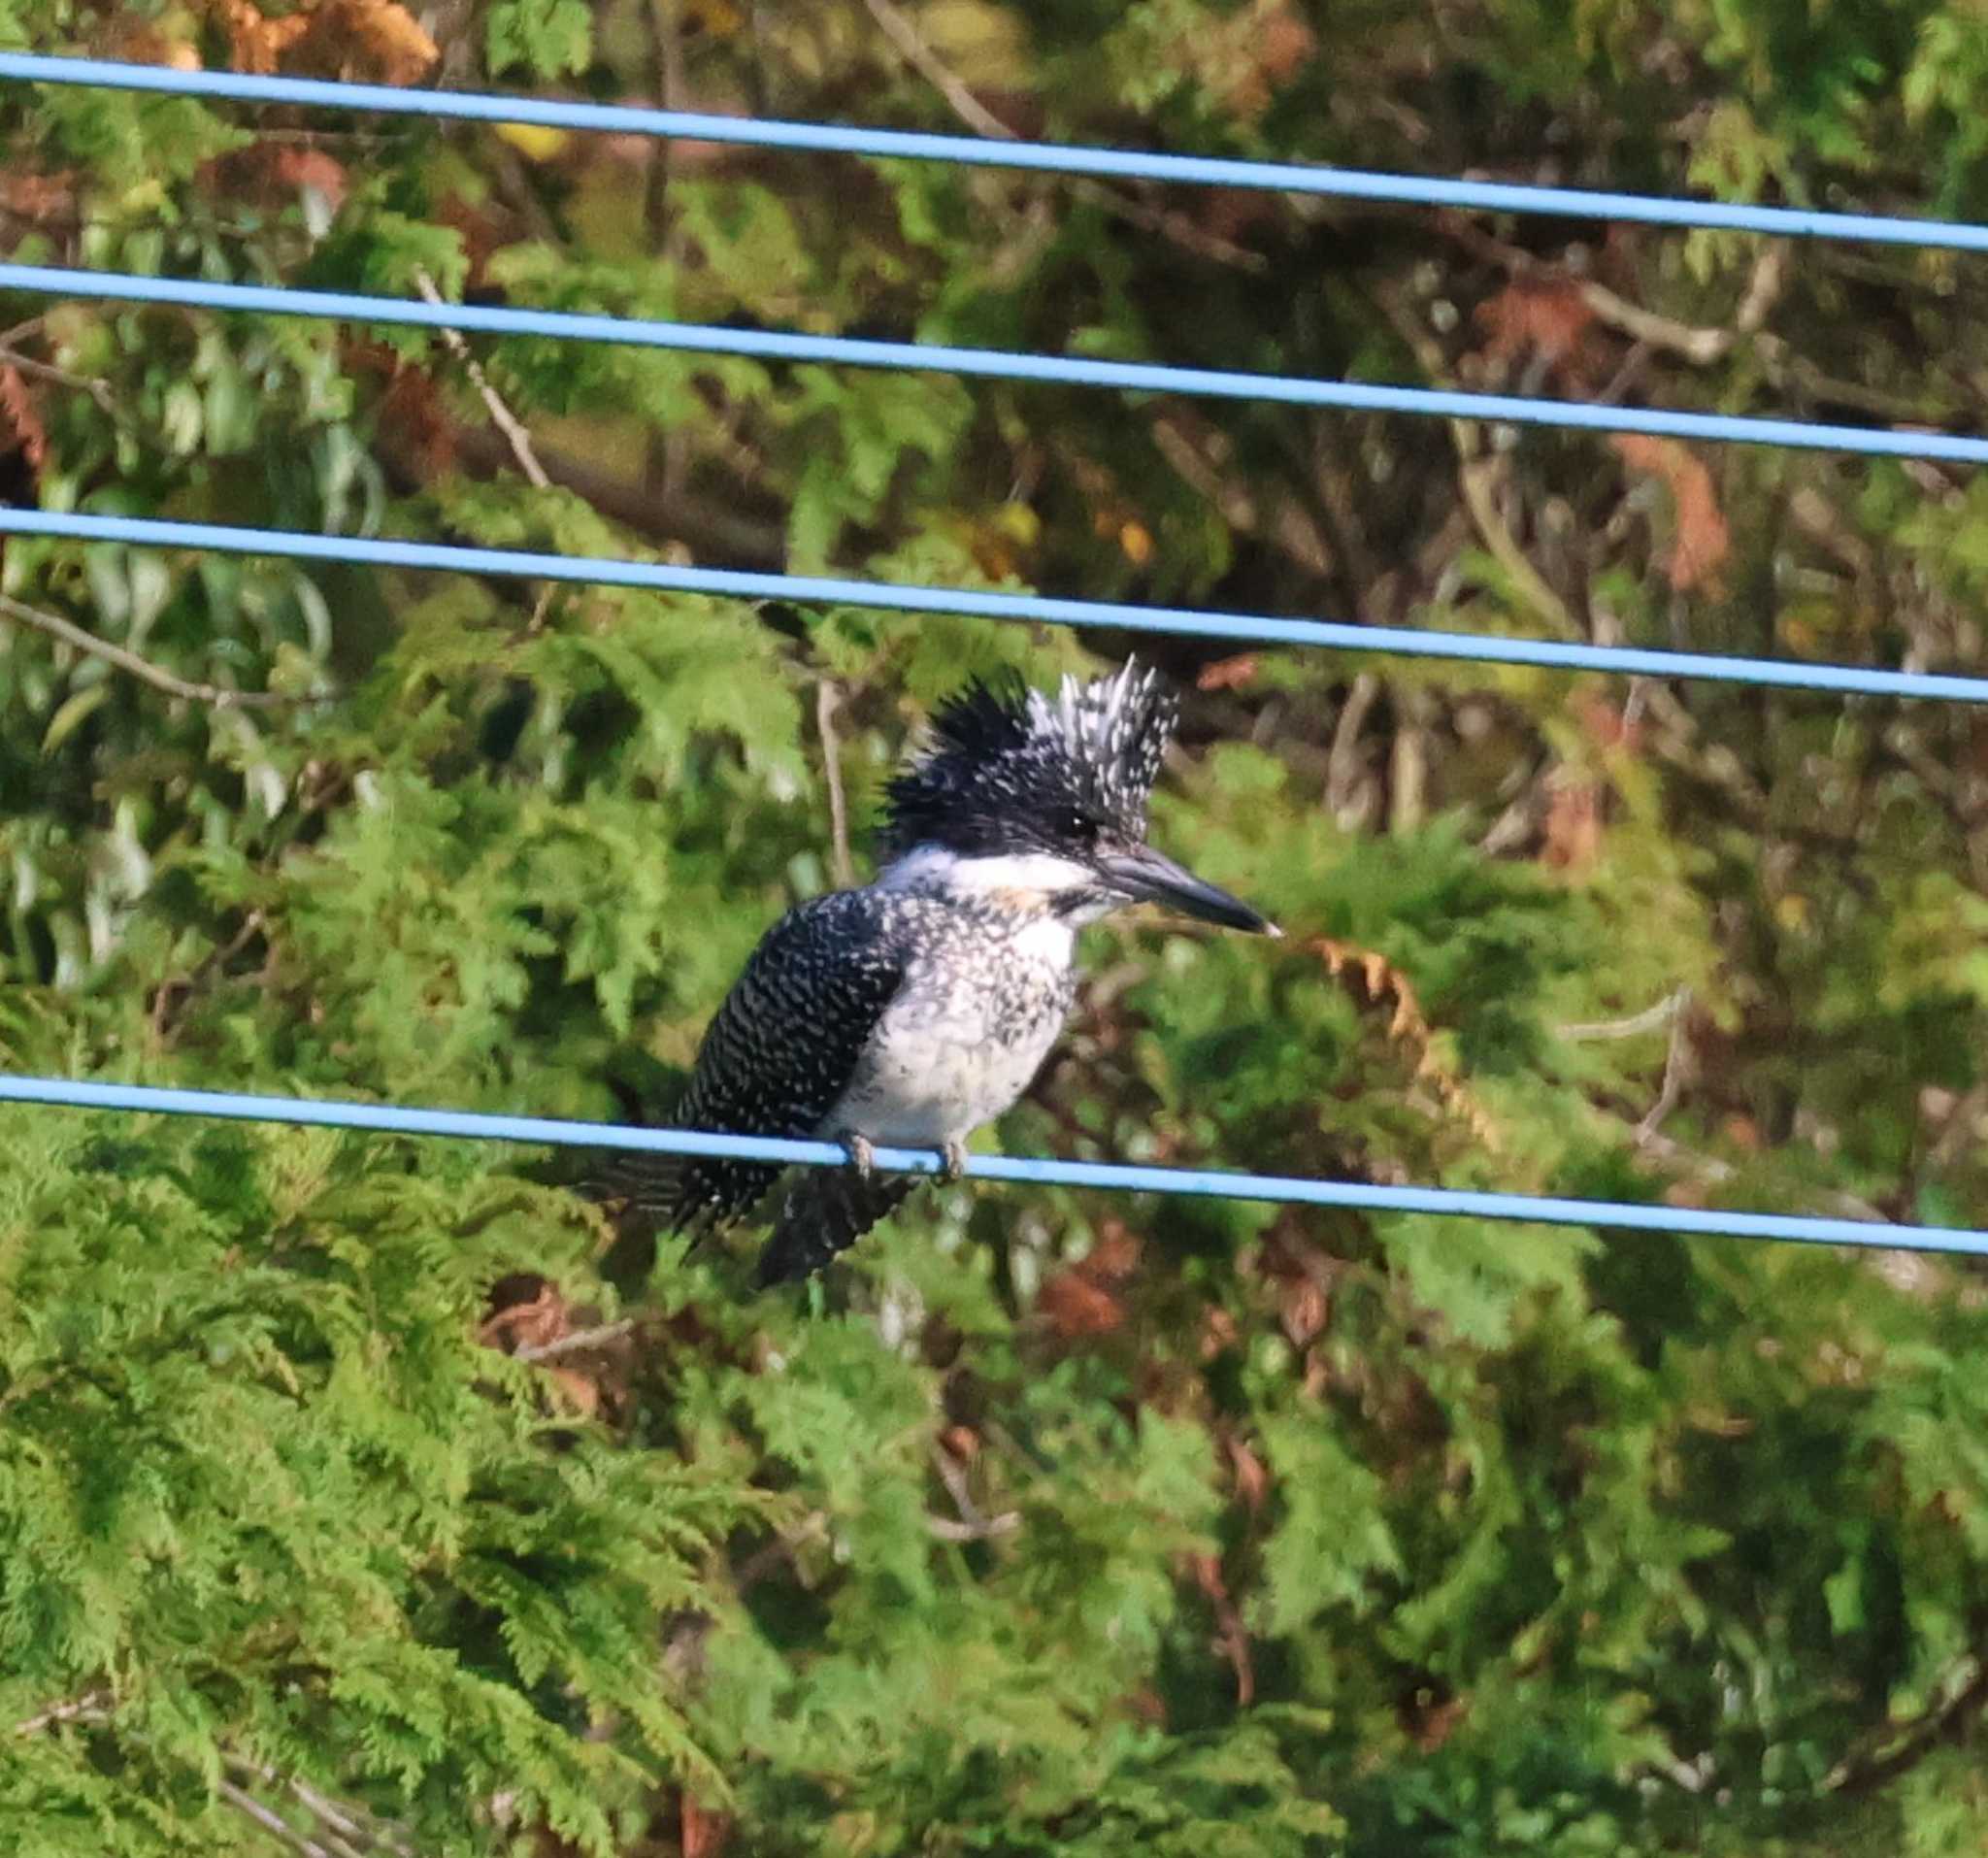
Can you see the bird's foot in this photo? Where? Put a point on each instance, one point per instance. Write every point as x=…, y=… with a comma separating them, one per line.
x=862, y=1156
x=954, y=1166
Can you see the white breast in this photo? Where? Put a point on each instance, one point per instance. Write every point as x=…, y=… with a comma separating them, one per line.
x=969, y=1030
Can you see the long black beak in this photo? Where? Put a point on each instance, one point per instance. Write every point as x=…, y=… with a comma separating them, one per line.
x=1150, y=877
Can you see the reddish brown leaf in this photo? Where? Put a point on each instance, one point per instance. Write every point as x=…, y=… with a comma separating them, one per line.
x=1075, y=1307
x=411, y=415
x=1232, y=1636
x=702, y=1833
x=1305, y=1309
x=296, y=169
x=20, y=413
x=1252, y=1476
x=1702, y=542
x=1378, y=984
x=1272, y=43
x=531, y=1313
x=581, y=1392
x=1218, y=1332
x=1115, y=1256
x=377, y=40
x=1430, y=1719
x=1544, y=315
x=258, y=43
x=1743, y=1131
x=40, y=199
x=1574, y=824
x=1147, y=1706
x=962, y=1442
x=1227, y=674
x=1611, y=725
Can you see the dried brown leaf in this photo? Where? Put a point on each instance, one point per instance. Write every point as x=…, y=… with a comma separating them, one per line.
x=258, y=43
x=20, y=413
x=1702, y=542
x=1227, y=674
x=378, y=41
x=1377, y=983
x=40, y=199
x=1573, y=823
x=295, y=168
x=1075, y=1306
x=1544, y=315
x=532, y=1313
x=702, y=1833
x=1252, y=1476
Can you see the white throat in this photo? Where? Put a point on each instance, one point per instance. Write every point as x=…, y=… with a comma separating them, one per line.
x=1024, y=880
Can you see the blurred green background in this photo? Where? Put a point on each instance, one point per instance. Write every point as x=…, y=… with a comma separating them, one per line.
x=357, y=1497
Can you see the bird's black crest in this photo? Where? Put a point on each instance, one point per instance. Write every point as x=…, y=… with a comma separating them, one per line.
x=1008, y=766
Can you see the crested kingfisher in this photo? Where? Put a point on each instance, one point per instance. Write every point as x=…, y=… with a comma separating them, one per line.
x=912, y=1010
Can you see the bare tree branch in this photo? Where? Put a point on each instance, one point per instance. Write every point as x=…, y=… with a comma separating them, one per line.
x=1680, y=1068
x=1966, y=1699
x=98, y=390
x=911, y=45
x=87, y=1707
x=501, y=416
x=1650, y=1019
x=577, y=1339
x=972, y=1525
x=827, y=700
x=270, y=1821
x=352, y=1829
x=143, y=669
x=986, y=1529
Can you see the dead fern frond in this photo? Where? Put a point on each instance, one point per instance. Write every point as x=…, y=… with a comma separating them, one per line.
x=1377, y=986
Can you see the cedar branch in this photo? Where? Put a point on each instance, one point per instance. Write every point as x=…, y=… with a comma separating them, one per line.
x=143, y=669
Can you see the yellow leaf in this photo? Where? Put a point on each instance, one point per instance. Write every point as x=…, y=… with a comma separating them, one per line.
x=74, y=712
x=534, y=140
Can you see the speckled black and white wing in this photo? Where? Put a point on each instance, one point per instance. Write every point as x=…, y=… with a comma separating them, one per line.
x=777, y=1056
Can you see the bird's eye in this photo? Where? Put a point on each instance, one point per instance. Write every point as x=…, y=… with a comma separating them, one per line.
x=1077, y=826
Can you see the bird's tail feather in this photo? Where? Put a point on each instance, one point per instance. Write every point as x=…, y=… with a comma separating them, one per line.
x=826, y=1212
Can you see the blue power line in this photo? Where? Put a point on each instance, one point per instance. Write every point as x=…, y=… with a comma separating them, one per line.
x=1540, y=1209
x=974, y=603
x=987, y=364
x=1789, y=222
x=993, y=364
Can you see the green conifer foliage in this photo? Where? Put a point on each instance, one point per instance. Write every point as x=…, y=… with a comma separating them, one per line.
x=363, y=1496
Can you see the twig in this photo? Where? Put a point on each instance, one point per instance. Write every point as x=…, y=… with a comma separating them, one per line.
x=98, y=390
x=988, y=1529
x=143, y=669
x=1969, y=1699
x=503, y=419
x=1836, y=1202
x=827, y=700
x=1474, y=477
x=911, y=45
x=353, y=1831
x=577, y=1339
x=270, y=1821
x=1699, y=345
x=501, y=416
x=974, y=1525
x=1680, y=1068
x=163, y=995
x=89, y=1705
x=1637, y=1023
x=920, y=57
x=1475, y=471
x=353, y=1827
x=667, y=456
